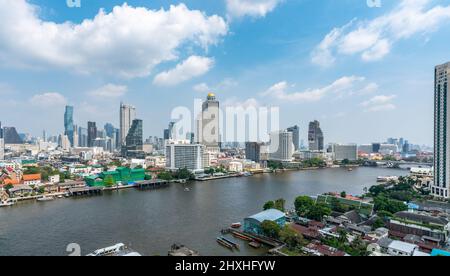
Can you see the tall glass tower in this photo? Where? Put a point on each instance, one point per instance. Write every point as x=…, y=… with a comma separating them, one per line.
x=315, y=137
x=440, y=187
x=68, y=123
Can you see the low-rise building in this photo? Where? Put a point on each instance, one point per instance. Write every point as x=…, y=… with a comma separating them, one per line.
x=31, y=179
x=253, y=224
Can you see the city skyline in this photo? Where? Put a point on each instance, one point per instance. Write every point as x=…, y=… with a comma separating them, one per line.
x=347, y=86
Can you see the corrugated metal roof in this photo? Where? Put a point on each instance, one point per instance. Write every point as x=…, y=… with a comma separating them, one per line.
x=271, y=214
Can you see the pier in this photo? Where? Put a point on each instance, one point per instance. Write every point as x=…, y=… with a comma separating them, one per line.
x=85, y=191
x=151, y=184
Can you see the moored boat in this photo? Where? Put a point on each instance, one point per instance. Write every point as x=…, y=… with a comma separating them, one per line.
x=224, y=243
x=241, y=236
x=236, y=225
x=255, y=244
x=6, y=204
x=235, y=245
x=45, y=198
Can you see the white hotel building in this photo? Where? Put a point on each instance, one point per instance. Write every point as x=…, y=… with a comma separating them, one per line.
x=183, y=155
x=440, y=187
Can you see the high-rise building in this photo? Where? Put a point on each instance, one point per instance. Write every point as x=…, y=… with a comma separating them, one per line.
x=315, y=137
x=441, y=184
x=208, y=124
x=2, y=143
x=75, y=137
x=296, y=136
x=91, y=133
x=82, y=137
x=134, y=141
x=281, y=146
x=68, y=123
x=253, y=151
x=109, y=130
x=127, y=116
x=169, y=132
x=183, y=155
x=11, y=136
x=344, y=152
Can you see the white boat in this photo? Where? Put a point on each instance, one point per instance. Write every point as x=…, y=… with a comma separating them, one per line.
x=6, y=204
x=45, y=198
x=116, y=250
x=60, y=196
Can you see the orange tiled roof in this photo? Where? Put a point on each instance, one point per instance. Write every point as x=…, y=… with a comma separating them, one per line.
x=31, y=177
x=13, y=181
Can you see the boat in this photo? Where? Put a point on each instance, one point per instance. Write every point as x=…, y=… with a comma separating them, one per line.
x=385, y=179
x=255, y=244
x=350, y=169
x=241, y=236
x=236, y=225
x=116, y=250
x=224, y=243
x=187, y=189
x=60, y=196
x=45, y=198
x=6, y=204
x=235, y=245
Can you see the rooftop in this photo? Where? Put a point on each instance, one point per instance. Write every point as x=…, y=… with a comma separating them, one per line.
x=271, y=214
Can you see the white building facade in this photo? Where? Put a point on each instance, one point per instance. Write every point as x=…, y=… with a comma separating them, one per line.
x=440, y=186
x=183, y=155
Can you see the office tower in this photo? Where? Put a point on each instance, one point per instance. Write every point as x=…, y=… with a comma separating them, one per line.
x=44, y=136
x=116, y=138
x=441, y=184
x=281, y=146
x=181, y=155
x=82, y=137
x=109, y=130
x=208, y=124
x=253, y=151
x=296, y=136
x=11, y=136
x=344, y=152
x=127, y=116
x=64, y=142
x=134, y=141
x=315, y=137
x=68, y=123
x=91, y=134
x=75, y=137
x=2, y=143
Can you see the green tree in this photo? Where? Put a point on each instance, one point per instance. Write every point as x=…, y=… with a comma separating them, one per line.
x=343, y=194
x=303, y=204
x=8, y=187
x=184, y=174
x=41, y=190
x=378, y=223
x=319, y=211
x=270, y=229
x=165, y=176
x=109, y=181
x=279, y=204
x=291, y=238
x=269, y=205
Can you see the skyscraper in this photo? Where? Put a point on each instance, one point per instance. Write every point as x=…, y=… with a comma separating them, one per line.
x=10, y=136
x=253, y=151
x=208, y=124
x=134, y=141
x=92, y=133
x=441, y=184
x=109, y=130
x=281, y=146
x=2, y=143
x=82, y=137
x=68, y=123
x=315, y=137
x=295, y=136
x=127, y=115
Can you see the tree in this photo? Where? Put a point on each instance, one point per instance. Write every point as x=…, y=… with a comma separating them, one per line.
x=378, y=223
x=165, y=176
x=291, y=238
x=270, y=229
x=269, y=205
x=382, y=203
x=8, y=187
x=41, y=190
x=343, y=194
x=319, y=211
x=109, y=181
x=303, y=204
x=279, y=204
x=184, y=174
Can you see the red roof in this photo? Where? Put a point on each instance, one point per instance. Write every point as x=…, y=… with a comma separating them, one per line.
x=31, y=177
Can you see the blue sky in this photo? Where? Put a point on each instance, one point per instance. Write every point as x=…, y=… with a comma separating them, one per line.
x=365, y=73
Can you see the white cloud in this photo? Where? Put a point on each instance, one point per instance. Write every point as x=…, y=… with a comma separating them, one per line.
x=128, y=41
x=109, y=91
x=252, y=8
x=373, y=39
x=345, y=85
x=220, y=87
x=235, y=102
x=192, y=67
x=50, y=99
x=202, y=87
x=379, y=103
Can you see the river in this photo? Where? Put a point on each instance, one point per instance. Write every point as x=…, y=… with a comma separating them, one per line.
x=151, y=221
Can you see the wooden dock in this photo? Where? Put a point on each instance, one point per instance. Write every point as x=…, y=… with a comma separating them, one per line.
x=151, y=184
x=85, y=191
